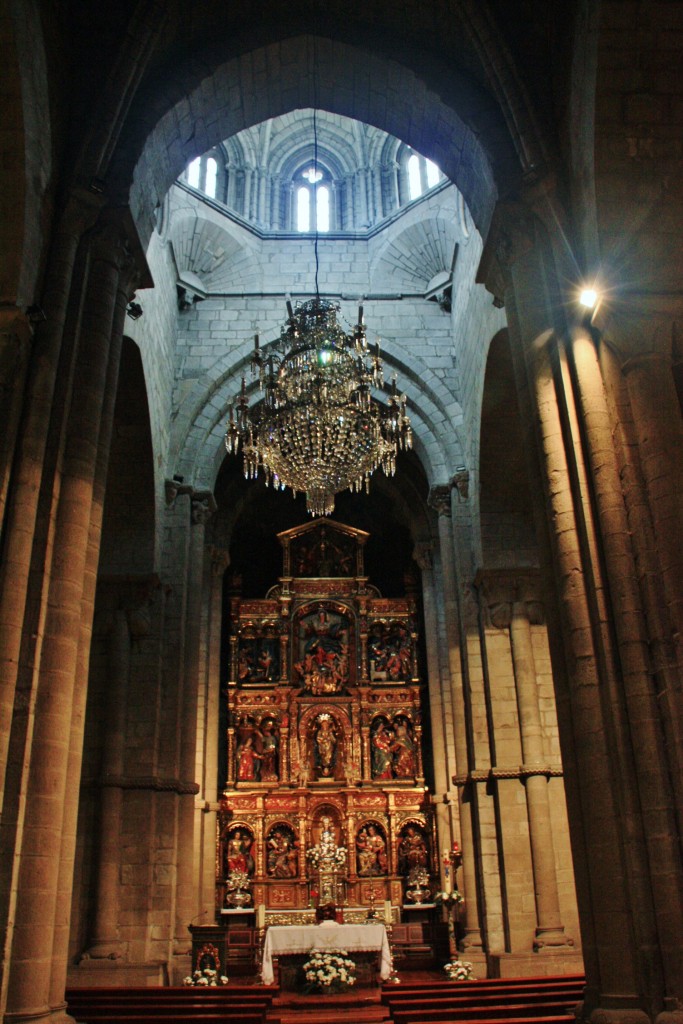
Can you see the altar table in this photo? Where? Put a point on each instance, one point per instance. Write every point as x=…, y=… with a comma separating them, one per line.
x=293, y=938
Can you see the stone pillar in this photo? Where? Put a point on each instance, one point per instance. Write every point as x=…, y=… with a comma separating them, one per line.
x=15, y=342
x=105, y=941
x=22, y=505
x=659, y=434
x=203, y=507
x=424, y=559
x=616, y=920
x=645, y=768
x=440, y=500
x=208, y=756
x=549, y=930
x=47, y=796
x=70, y=819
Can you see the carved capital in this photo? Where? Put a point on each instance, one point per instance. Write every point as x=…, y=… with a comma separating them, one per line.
x=501, y=589
x=512, y=233
x=220, y=560
x=203, y=507
x=461, y=483
x=440, y=499
x=423, y=554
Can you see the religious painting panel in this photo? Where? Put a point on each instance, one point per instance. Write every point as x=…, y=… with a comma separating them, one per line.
x=390, y=652
x=324, y=649
x=258, y=660
x=323, y=553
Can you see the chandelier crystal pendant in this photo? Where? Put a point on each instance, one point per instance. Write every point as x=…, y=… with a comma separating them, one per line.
x=317, y=430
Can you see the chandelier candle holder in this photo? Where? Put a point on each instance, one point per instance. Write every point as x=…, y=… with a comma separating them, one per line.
x=317, y=430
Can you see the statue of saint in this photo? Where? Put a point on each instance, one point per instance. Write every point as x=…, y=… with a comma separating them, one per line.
x=412, y=851
x=403, y=748
x=270, y=767
x=247, y=758
x=325, y=746
x=381, y=752
x=372, y=852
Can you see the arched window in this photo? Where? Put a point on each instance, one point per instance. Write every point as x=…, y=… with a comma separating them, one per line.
x=421, y=175
x=322, y=208
x=193, y=172
x=202, y=173
x=313, y=201
x=211, y=174
x=414, y=177
x=303, y=208
x=433, y=173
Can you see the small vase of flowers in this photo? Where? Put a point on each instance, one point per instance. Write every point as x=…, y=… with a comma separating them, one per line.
x=328, y=970
x=208, y=978
x=459, y=970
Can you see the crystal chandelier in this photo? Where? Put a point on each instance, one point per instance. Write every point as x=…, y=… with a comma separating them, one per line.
x=317, y=430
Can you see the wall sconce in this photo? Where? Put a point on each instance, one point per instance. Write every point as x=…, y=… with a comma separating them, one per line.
x=134, y=310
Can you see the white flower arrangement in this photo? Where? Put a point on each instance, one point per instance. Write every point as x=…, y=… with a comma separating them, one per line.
x=208, y=978
x=459, y=970
x=337, y=857
x=449, y=899
x=328, y=970
x=238, y=880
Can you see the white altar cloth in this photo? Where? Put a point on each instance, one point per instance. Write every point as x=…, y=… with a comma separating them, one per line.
x=294, y=938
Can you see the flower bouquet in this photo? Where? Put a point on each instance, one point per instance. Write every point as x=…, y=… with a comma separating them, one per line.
x=208, y=978
x=328, y=970
x=459, y=970
x=449, y=899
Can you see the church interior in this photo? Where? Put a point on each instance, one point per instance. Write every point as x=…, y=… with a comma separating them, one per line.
x=341, y=493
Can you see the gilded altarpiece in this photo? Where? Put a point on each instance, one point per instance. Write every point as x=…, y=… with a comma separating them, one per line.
x=325, y=733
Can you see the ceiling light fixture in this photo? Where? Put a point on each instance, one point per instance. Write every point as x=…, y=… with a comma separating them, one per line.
x=318, y=431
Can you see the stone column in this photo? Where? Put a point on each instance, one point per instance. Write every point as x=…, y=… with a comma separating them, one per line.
x=424, y=559
x=208, y=756
x=644, y=766
x=203, y=507
x=28, y=467
x=549, y=930
x=60, y=951
x=609, y=906
x=440, y=500
x=15, y=342
x=659, y=434
x=105, y=941
x=47, y=796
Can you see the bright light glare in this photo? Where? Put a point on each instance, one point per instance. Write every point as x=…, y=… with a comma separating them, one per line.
x=588, y=298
